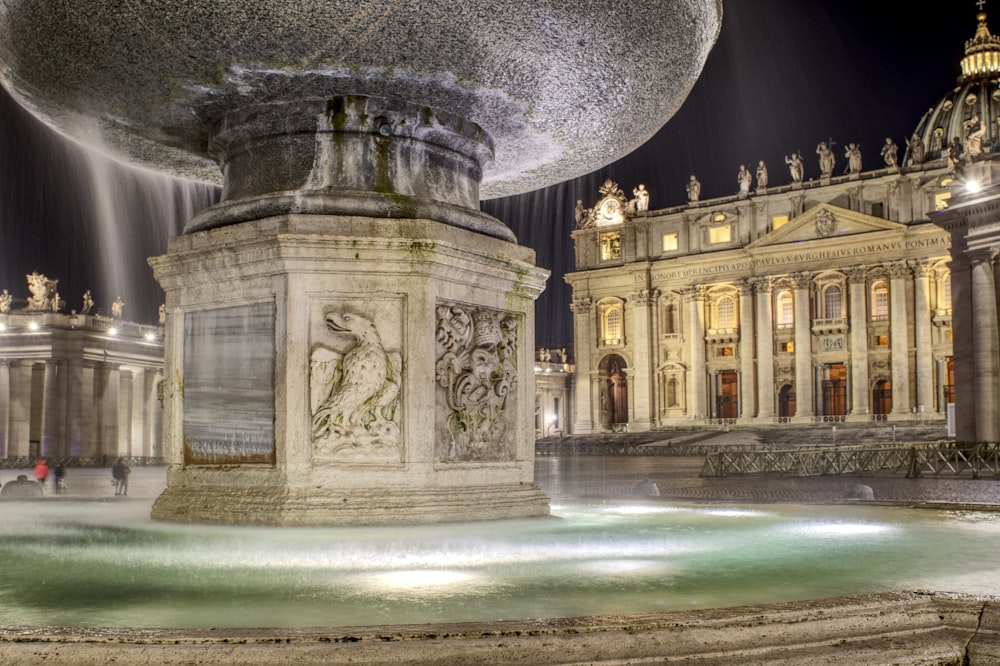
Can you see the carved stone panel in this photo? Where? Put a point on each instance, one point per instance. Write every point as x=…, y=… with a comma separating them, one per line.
x=476, y=378
x=355, y=396
x=229, y=385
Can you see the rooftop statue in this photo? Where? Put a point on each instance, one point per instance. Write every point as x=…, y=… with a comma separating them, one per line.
x=5, y=301
x=827, y=160
x=955, y=156
x=744, y=179
x=88, y=303
x=916, y=148
x=641, y=195
x=974, y=132
x=693, y=189
x=853, y=155
x=761, y=176
x=42, y=290
x=795, y=167
x=889, y=152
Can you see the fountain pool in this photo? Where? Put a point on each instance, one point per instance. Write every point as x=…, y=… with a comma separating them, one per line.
x=107, y=564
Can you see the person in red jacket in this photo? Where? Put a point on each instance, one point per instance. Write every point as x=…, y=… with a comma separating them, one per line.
x=41, y=472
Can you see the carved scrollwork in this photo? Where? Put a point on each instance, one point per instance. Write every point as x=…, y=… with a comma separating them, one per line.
x=476, y=374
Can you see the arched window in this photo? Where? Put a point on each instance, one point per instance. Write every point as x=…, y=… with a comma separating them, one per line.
x=833, y=303
x=613, y=325
x=786, y=309
x=880, y=301
x=726, y=313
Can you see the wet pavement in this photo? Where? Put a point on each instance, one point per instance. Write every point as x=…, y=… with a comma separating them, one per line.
x=676, y=477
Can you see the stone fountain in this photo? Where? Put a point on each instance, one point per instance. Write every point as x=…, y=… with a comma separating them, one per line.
x=349, y=339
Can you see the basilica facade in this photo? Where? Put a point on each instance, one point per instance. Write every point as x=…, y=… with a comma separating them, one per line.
x=820, y=300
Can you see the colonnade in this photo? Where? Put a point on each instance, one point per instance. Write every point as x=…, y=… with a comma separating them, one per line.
x=80, y=409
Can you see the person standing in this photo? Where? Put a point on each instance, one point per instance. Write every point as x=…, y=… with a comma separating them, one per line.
x=41, y=472
x=59, y=477
x=120, y=472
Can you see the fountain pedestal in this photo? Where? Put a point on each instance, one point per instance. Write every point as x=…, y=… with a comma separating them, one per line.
x=349, y=340
x=329, y=370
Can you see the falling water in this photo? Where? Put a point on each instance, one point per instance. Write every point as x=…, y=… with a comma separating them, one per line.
x=86, y=220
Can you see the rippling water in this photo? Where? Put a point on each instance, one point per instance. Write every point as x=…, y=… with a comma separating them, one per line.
x=103, y=564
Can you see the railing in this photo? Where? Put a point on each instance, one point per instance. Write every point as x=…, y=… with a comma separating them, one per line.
x=973, y=460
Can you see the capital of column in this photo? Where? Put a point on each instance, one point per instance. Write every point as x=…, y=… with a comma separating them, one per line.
x=762, y=283
x=920, y=267
x=856, y=274
x=693, y=292
x=982, y=255
x=644, y=297
x=801, y=280
x=897, y=270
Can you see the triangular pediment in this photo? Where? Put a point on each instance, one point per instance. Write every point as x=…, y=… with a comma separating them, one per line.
x=823, y=222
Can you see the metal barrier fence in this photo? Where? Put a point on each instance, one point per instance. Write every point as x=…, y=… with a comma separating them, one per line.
x=980, y=460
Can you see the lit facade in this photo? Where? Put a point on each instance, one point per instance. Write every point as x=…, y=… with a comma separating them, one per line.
x=828, y=300
x=79, y=386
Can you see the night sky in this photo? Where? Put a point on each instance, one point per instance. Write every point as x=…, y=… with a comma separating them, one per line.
x=784, y=75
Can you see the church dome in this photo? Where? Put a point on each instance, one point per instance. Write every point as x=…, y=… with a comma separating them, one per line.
x=975, y=97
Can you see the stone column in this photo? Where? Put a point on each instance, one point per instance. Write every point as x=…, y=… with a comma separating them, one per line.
x=125, y=412
x=19, y=428
x=583, y=331
x=860, y=393
x=804, y=400
x=4, y=407
x=137, y=420
x=694, y=300
x=986, y=346
x=964, y=363
x=73, y=431
x=107, y=407
x=898, y=337
x=765, y=350
x=748, y=405
x=51, y=414
x=91, y=410
x=922, y=335
x=641, y=341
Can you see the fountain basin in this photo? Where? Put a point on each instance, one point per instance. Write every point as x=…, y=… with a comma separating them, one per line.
x=562, y=88
x=107, y=564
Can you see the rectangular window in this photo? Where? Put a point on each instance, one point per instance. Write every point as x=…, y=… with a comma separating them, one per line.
x=878, y=209
x=788, y=347
x=725, y=351
x=941, y=200
x=882, y=340
x=669, y=242
x=778, y=221
x=719, y=234
x=611, y=246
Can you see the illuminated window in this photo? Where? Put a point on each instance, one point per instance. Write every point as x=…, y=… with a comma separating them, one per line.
x=787, y=347
x=613, y=326
x=719, y=234
x=669, y=242
x=882, y=340
x=611, y=246
x=725, y=351
x=880, y=301
x=786, y=309
x=941, y=200
x=778, y=221
x=726, y=313
x=833, y=302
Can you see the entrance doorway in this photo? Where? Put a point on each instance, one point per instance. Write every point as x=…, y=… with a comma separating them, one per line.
x=882, y=397
x=614, y=392
x=835, y=390
x=786, y=401
x=727, y=400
